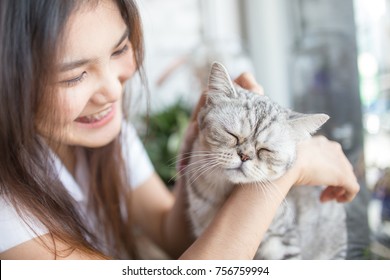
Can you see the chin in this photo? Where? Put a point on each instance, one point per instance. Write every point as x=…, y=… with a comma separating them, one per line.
x=98, y=144
x=102, y=140
x=101, y=137
x=237, y=177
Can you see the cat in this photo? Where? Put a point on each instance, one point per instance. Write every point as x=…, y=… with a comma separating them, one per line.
x=243, y=138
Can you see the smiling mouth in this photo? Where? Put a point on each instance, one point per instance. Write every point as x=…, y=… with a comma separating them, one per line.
x=95, y=117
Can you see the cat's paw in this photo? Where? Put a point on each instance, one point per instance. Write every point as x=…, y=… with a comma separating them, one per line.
x=276, y=249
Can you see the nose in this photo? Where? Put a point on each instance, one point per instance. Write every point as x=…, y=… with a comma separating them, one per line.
x=109, y=88
x=243, y=157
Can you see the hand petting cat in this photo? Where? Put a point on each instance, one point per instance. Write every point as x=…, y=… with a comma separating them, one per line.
x=323, y=162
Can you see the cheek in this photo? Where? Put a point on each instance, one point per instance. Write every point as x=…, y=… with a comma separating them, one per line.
x=127, y=66
x=70, y=106
x=212, y=138
x=278, y=163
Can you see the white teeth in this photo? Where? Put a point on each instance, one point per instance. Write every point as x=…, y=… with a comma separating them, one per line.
x=98, y=116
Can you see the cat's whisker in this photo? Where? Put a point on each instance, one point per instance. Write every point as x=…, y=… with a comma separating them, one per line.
x=178, y=155
x=197, y=172
x=180, y=173
x=203, y=170
x=201, y=157
x=195, y=177
x=258, y=187
x=269, y=185
x=265, y=191
x=185, y=156
x=198, y=152
x=273, y=191
x=207, y=157
x=200, y=161
x=195, y=153
x=200, y=170
x=219, y=193
x=272, y=187
x=284, y=202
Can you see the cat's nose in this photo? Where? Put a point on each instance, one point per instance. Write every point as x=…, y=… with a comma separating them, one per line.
x=243, y=157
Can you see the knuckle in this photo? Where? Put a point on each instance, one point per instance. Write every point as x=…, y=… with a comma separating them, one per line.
x=320, y=138
x=337, y=145
x=247, y=76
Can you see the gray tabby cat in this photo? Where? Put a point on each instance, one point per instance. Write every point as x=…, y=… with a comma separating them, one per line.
x=245, y=138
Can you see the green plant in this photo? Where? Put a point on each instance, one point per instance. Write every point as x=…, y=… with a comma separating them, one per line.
x=163, y=136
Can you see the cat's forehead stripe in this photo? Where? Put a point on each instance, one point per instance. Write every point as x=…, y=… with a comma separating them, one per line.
x=268, y=123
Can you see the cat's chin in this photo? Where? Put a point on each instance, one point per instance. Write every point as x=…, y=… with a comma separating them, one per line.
x=238, y=177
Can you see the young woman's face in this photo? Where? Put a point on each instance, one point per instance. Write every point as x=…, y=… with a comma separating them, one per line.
x=96, y=61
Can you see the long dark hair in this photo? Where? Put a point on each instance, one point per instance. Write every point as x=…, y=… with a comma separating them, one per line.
x=31, y=32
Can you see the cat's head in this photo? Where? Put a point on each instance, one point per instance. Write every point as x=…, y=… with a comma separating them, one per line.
x=249, y=137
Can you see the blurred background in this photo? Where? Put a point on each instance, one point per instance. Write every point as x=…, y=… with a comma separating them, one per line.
x=328, y=56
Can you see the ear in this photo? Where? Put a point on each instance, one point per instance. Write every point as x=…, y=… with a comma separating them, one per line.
x=220, y=82
x=304, y=125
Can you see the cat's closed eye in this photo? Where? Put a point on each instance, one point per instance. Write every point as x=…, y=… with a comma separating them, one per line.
x=237, y=141
x=263, y=150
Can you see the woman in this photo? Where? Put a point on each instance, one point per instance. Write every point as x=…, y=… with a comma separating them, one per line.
x=74, y=177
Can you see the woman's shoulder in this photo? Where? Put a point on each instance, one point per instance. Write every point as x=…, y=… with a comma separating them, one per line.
x=13, y=227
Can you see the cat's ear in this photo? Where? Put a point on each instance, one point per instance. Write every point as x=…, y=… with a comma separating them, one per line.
x=305, y=125
x=220, y=81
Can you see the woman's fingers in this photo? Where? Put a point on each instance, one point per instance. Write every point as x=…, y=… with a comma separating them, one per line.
x=351, y=187
x=186, y=147
x=331, y=193
x=340, y=194
x=247, y=81
x=201, y=102
x=191, y=134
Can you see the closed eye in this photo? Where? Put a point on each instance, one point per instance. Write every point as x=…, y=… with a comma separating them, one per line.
x=261, y=150
x=237, y=140
x=74, y=81
x=121, y=51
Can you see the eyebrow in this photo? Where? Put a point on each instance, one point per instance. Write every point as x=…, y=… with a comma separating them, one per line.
x=81, y=62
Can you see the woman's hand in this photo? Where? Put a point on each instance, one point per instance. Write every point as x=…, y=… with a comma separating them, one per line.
x=247, y=81
x=323, y=162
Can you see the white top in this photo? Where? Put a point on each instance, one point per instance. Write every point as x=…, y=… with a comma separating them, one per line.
x=13, y=230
